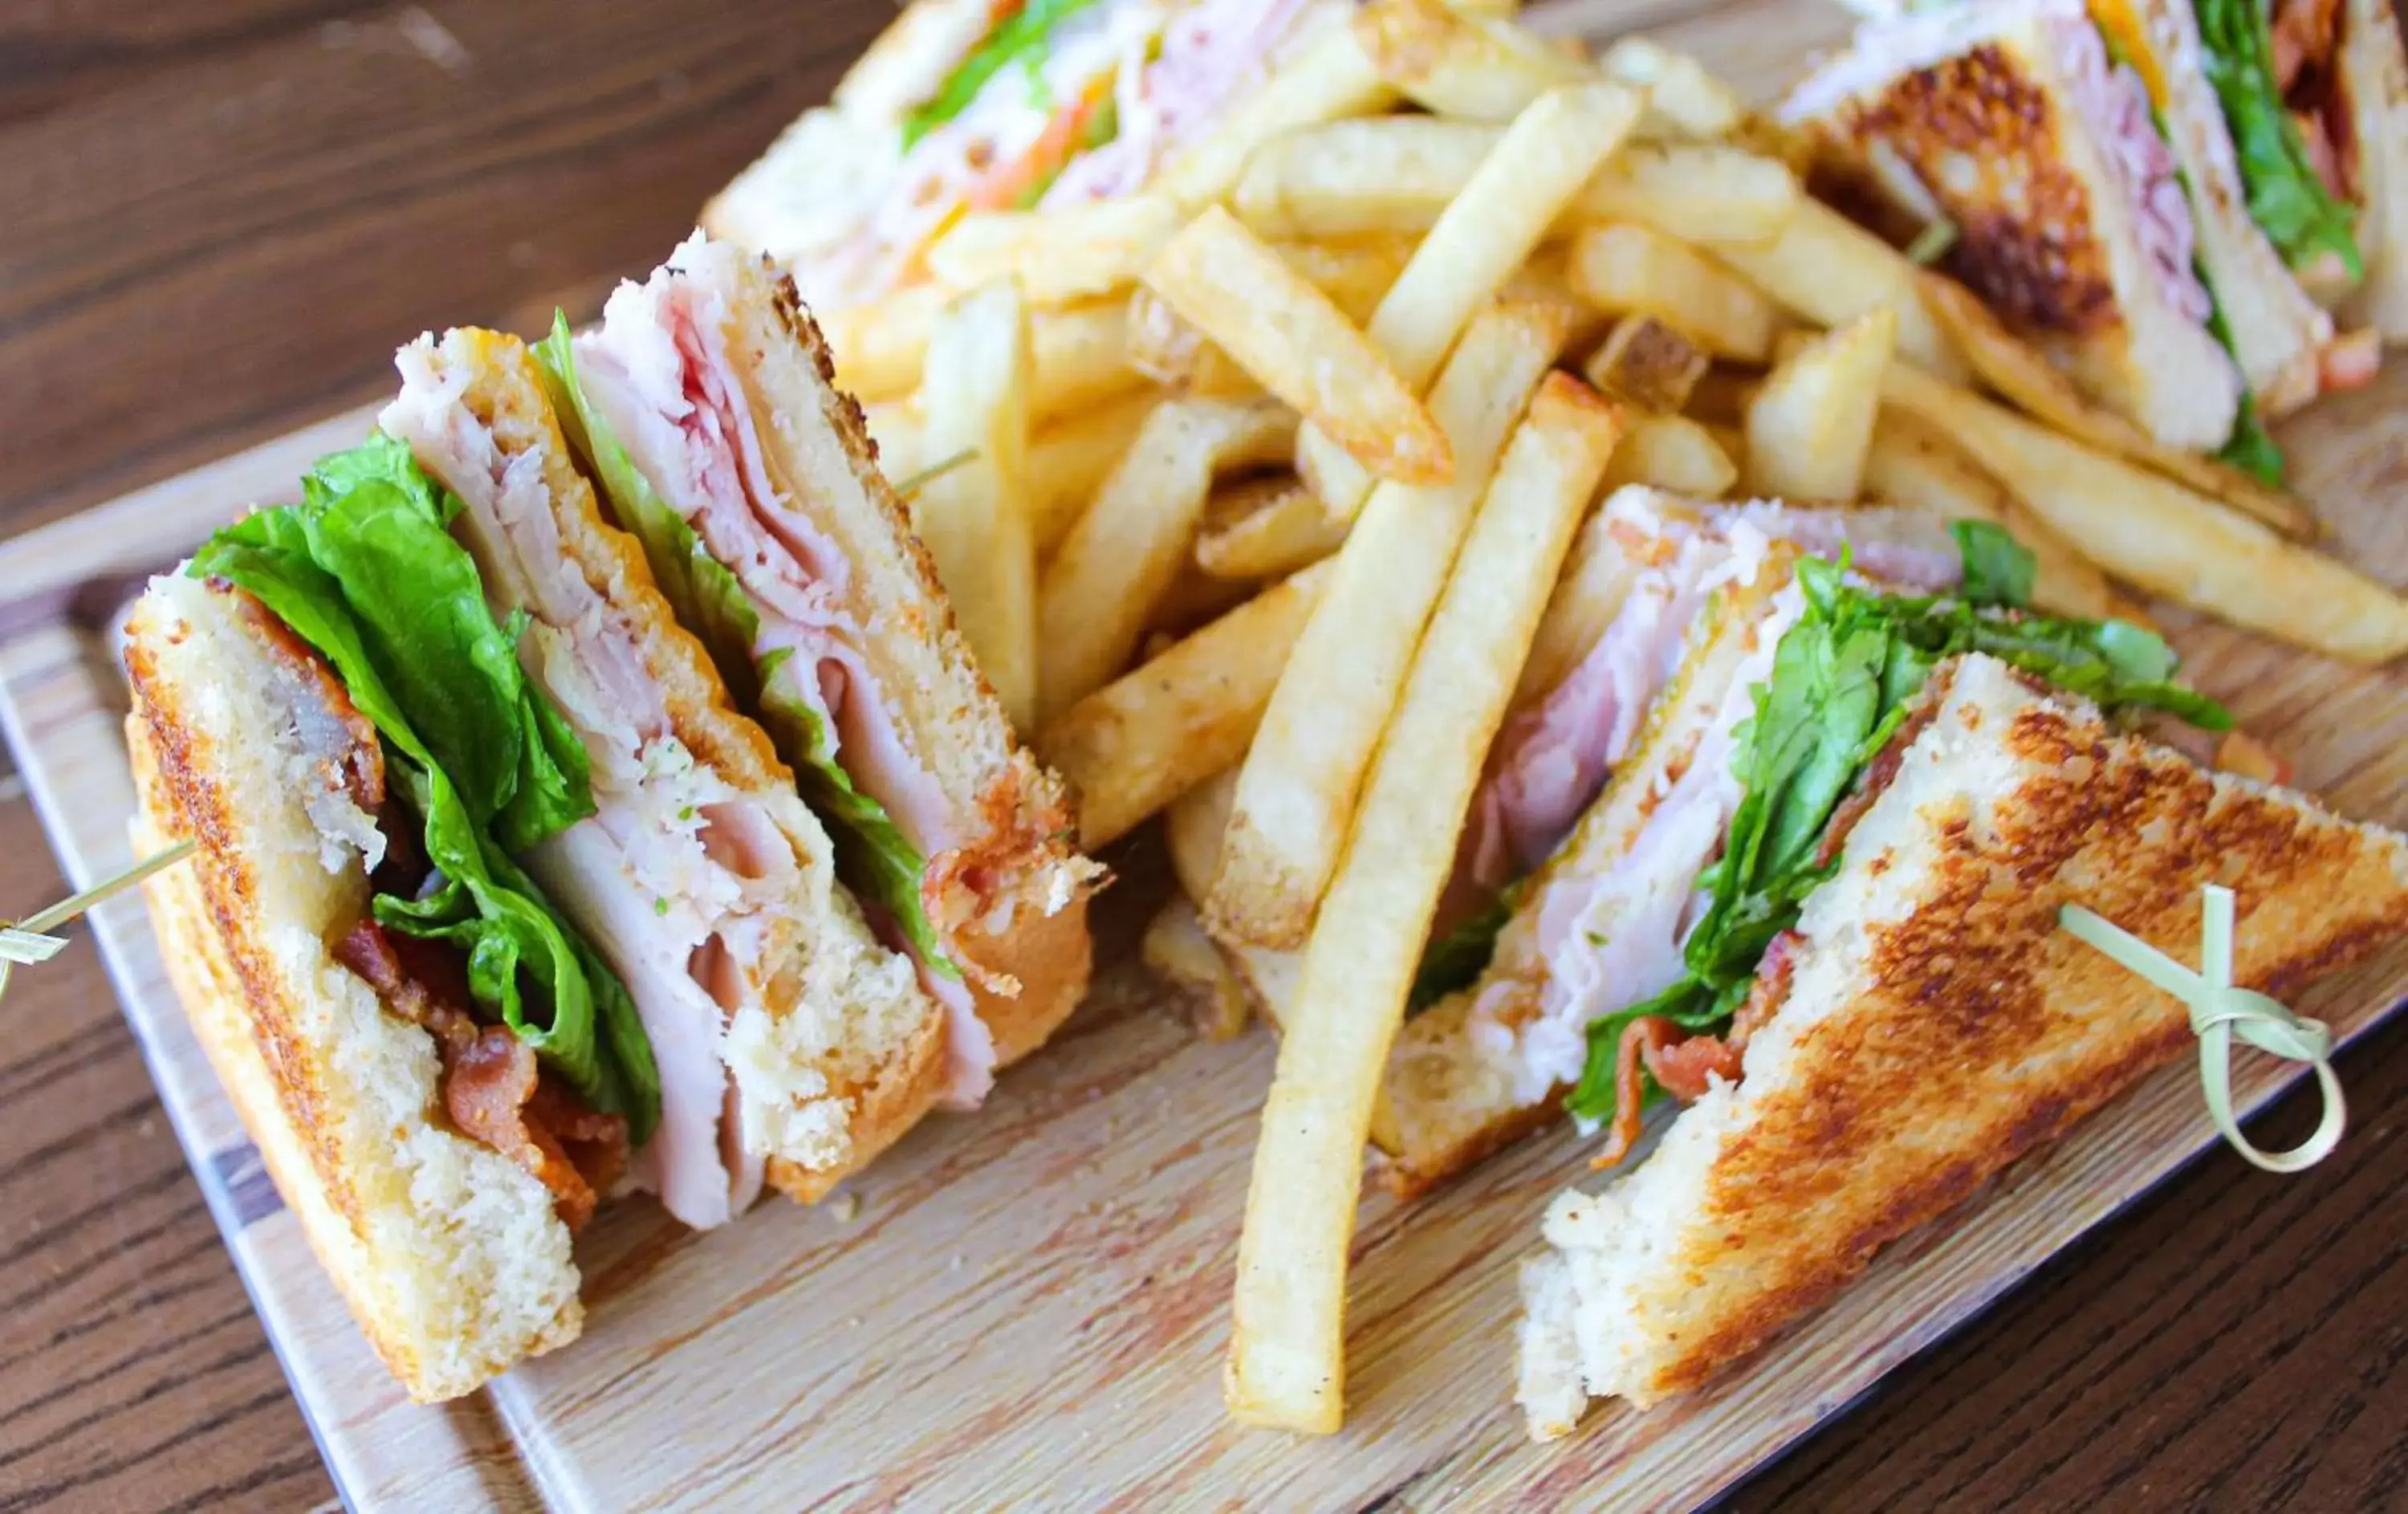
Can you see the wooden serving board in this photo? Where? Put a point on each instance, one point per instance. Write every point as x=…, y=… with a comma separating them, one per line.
x=1029, y=1306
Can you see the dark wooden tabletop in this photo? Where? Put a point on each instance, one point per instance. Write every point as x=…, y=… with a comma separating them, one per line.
x=217, y=218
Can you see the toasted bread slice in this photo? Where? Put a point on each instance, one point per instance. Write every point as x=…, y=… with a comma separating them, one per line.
x=2277, y=330
x=835, y=1048
x=1005, y=884
x=1454, y=1095
x=1937, y=1024
x=1982, y=105
x=450, y=1254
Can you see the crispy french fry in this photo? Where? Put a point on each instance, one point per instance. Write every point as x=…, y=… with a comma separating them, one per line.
x=1399, y=174
x=1672, y=451
x=1808, y=429
x=1193, y=598
x=2021, y=376
x=1298, y=791
x=1506, y=207
x=2167, y=539
x=1069, y=460
x=1629, y=269
x=1288, y=1350
x=1544, y=280
x=1125, y=554
x=1829, y=270
x=879, y=348
x=897, y=428
x=1683, y=98
x=1647, y=364
x=1328, y=78
x=1059, y=258
x=974, y=517
x=1913, y=465
x=1297, y=344
x=1458, y=65
x=1191, y=828
x=1176, y=950
x=1135, y=744
x=1079, y=355
x=1264, y=527
x=1596, y=580
x=1708, y=195
x=1166, y=348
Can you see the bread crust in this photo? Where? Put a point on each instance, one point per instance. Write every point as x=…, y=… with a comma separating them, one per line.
x=232, y=950
x=1939, y=1024
x=1029, y=977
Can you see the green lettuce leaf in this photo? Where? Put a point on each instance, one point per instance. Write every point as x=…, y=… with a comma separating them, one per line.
x=872, y=852
x=1999, y=569
x=1020, y=40
x=2287, y=199
x=363, y=570
x=2252, y=448
x=1841, y=682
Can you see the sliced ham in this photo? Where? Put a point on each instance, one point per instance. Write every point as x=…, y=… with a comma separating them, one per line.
x=658, y=372
x=675, y=869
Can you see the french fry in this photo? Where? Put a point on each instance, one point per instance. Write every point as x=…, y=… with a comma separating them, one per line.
x=1125, y=554
x=898, y=428
x=1672, y=451
x=1191, y=828
x=1287, y=1347
x=1069, y=460
x=2031, y=383
x=1829, y=270
x=1811, y=425
x=1296, y=342
x=1708, y=195
x=1059, y=258
x=1596, y=581
x=1079, y=355
x=974, y=517
x=1506, y=207
x=1139, y=742
x=1163, y=347
x=1458, y=65
x=1265, y=528
x=879, y=348
x=1298, y=791
x=1683, y=98
x=1648, y=365
x=1326, y=79
x=1176, y=950
x=1399, y=174
x=1356, y=272
x=1629, y=269
x=2152, y=532
x=1913, y=465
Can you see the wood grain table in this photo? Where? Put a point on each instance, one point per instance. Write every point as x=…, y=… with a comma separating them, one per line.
x=216, y=218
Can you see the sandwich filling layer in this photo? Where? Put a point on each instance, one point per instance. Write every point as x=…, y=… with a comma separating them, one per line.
x=1662, y=963
x=685, y=884
x=1059, y=103
x=667, y=421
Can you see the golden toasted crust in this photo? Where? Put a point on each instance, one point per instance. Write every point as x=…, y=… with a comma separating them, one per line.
x=451, y=1258
x=1021, y=841
x=1939, y=1024
x=1989, y=137
x=881, y=1114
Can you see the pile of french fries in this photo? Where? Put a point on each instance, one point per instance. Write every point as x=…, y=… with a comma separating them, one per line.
x=1254, y=493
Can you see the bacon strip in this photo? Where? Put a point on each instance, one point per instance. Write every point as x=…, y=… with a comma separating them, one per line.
x=492, y=1086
